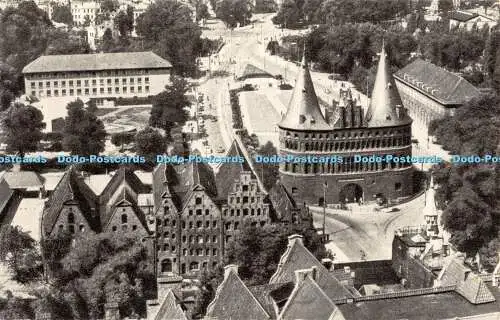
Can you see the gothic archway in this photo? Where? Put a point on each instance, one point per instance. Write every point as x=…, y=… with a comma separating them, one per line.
x=351, y=193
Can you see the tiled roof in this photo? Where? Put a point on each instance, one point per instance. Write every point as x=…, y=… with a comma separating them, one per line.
x=122, y=176
x=297, y=257
x=469, y=285
x=269, y=294
x=233, y=300
x=303, y=111
x=309, y=302
x=98, y=61
x=126, y=199
x=282, y=202
x=170, y=309
x=445, y=87
x=183, y=178
x=252, y=71
x=70, y=188
x=23, y=179
x=5, y=195
x=445, y=305
x=383, y=109
x=228, y=172
x=462, y=16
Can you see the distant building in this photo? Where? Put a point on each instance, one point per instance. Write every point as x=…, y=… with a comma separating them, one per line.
x=430, y=92
x=467, y=20
x=101, y=76
x=84, y=11
x=383, y=129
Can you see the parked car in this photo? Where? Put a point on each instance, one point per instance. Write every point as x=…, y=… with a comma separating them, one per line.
x=221, y=150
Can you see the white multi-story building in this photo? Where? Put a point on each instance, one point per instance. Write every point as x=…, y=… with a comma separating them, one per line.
x=58, y=79
x=83, y=9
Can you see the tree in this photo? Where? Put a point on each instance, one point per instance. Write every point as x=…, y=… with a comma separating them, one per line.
x=62, y=14
x=202, y=12
x=268, y=171
x=496, y=74
x=289, y=15
x=121, y=138
x=23, y=128
x=107, y=42
x=22, y=255
x=209, y=282
x=257, y=250
x=124, y=21
x=168, y=28
x=84, y=133
x=104, y=268
x=234, y=12
x=109, y=6
x=169, y=106
x=473, y=130
x=265, y=6
x=149, y=142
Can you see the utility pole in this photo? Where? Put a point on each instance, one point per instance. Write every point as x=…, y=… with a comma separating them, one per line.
x=325, y=186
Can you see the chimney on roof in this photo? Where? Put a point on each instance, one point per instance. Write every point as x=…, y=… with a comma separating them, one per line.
x=229, y=268
x=295, y=238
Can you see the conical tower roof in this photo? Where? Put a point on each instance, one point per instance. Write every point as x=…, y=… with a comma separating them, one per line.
x=386, y=108
x=303, y=112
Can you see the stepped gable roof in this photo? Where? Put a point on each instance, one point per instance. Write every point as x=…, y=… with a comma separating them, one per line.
x=303, y=111
x=383, y=109
x=121, y=176
x=309, y=301
x=233, y=300
x=183, y=178
x=71, y=188
x=252, y=71
x=97, y=62
x=170, y=309
x=469, y=285
x=269, y=295
x=23, y=179
x=297, y=257
x=228, y=172
x=439, y=84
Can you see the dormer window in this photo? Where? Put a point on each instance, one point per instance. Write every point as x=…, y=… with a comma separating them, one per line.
x=302, y=118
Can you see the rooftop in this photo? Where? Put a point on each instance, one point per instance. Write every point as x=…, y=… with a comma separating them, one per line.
x=97, y=62
x=441, y=85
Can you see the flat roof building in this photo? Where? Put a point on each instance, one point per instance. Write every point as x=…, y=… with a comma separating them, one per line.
x=56, y=80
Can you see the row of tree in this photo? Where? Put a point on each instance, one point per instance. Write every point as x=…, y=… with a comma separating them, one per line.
x=470, y=194
x=26, y=33
x=84, y=274
x=297, y=13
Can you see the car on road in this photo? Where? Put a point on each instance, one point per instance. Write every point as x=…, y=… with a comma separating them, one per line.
x=221, y=150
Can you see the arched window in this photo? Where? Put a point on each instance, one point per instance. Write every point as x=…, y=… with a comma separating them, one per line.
x=71, y=217
x=124, y=218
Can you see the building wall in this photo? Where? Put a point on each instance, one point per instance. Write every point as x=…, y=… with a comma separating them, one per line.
x=420, y=107
x=305, y=180
x=407, y=267
x=245, y=203
x=125, y=220
x=82, y=9
x=97, y=84
x=71, y=220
